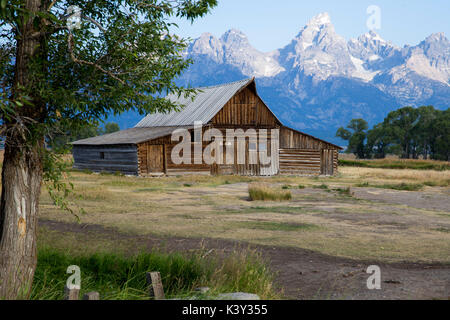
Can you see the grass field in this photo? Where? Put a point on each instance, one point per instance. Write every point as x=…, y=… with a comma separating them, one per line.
x=397, y=164
x=332, y=215
x=361, y=214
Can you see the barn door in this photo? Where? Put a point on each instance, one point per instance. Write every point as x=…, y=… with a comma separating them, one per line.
x=327, y=163
x=155, y=159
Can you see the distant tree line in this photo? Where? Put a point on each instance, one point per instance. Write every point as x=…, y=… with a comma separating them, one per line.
x=407, y=132
x=59, y=138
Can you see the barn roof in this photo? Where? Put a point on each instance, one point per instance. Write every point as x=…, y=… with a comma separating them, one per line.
x=130, y=136
x=206, y=104
x=203, y=108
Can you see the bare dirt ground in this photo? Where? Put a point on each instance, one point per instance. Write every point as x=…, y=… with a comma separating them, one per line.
x=303, y=274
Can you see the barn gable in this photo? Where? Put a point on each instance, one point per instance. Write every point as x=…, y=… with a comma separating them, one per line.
x=231, y=103
x=246, y=108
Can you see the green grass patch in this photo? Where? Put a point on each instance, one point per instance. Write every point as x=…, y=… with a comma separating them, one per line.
x=400, y=186
x=344, y=191
x=277, y=226
x=149, y=190
x=444, y=183
x=259, y=191
x=446, y=230
x=120, y=277
x=290, y=187
x=322, y=186
x=397, y=164
x=278, y=209
x=363, y=185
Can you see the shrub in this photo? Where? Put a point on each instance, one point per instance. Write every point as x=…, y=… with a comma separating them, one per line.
x=260, y=191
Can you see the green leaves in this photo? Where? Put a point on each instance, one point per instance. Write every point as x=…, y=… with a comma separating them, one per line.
x=356, y=138
x=123, y=57
x=408, y=132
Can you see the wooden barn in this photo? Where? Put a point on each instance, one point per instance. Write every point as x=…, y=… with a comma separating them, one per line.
x=147, y=149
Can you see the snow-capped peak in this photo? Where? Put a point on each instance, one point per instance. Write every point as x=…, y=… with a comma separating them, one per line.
x=437, y=37
x=319, y=20
x=373, y=36
x=233, y=34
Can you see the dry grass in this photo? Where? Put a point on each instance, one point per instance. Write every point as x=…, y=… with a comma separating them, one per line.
x=395, y=176
x=331, y=220
x=397, y=164
x=264, y=192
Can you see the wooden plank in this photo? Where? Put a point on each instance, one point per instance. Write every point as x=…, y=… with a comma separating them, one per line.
x=91, y=296
x=155, y=284
x=71, y=294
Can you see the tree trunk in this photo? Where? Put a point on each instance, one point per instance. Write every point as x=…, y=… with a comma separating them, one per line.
x=21, y=180
x=22, y=166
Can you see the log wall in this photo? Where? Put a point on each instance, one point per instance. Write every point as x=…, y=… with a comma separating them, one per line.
x=300, y=162
x=292, y=139
x=117, y=158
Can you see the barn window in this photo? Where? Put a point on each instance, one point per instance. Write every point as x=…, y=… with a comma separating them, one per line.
x=102, y=155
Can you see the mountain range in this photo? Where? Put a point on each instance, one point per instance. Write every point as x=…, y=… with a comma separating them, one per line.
x=319, y=81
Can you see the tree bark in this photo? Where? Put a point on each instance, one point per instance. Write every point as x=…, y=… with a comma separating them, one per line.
x=21, y=180
x=22, y=165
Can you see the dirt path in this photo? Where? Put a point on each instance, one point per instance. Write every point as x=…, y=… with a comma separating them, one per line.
x=306, y=274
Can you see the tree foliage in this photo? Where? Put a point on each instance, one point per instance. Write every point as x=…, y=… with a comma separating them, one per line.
x=409, y=132
x=355, y=137
x=122, y=56
x=65, y=65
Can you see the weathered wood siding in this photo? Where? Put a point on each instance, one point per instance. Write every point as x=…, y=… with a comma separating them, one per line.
x=300, y=161
x=291, y=139
x=245, y=109
x=117, y=158
x=303, y=154
x=151, y=150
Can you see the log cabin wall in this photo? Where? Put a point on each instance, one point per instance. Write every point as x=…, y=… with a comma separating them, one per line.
x=303, y=154
x=114, y=158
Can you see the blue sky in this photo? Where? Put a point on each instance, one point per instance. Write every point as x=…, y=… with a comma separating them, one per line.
x=271, y=24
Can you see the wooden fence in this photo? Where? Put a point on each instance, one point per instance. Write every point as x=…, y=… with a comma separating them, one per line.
x=156, y=290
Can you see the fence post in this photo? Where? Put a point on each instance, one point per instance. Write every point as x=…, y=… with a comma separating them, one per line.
x=91, y=296
x=71, y=294
x=155, y=285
